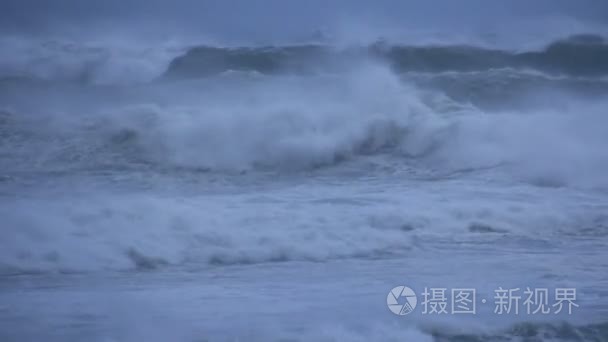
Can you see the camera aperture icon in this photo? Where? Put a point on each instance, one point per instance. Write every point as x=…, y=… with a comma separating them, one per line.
x=401, y=300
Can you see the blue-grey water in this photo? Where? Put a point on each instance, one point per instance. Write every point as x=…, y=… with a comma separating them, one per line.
x=280, y=193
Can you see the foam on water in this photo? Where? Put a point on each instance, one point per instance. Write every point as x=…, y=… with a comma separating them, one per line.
x=252, y=184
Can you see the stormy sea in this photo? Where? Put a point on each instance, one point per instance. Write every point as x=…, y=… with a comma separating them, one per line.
x=298, y=191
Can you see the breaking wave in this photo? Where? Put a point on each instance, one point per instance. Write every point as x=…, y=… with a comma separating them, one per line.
x=285, y=123
x=75, y=231
x=581, y=55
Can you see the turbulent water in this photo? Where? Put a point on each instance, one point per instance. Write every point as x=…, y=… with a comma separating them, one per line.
x=193, y=193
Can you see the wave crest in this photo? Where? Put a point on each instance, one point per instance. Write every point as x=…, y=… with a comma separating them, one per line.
x=585, y=55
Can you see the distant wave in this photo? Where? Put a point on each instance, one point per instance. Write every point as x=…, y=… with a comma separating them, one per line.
x=35, y=61
x=580, y=55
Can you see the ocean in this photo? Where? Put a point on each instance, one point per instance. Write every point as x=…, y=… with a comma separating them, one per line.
x=304, y=192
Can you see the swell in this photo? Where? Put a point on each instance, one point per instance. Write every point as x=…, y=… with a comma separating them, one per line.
x=90, y=63
x=581, y=55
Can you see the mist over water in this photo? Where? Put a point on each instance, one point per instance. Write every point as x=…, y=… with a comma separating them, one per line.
x=162, y=169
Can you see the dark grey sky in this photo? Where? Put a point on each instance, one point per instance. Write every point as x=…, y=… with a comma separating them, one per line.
x=260, y=19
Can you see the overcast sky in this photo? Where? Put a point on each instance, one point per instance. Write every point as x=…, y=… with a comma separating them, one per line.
x=263, y=19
